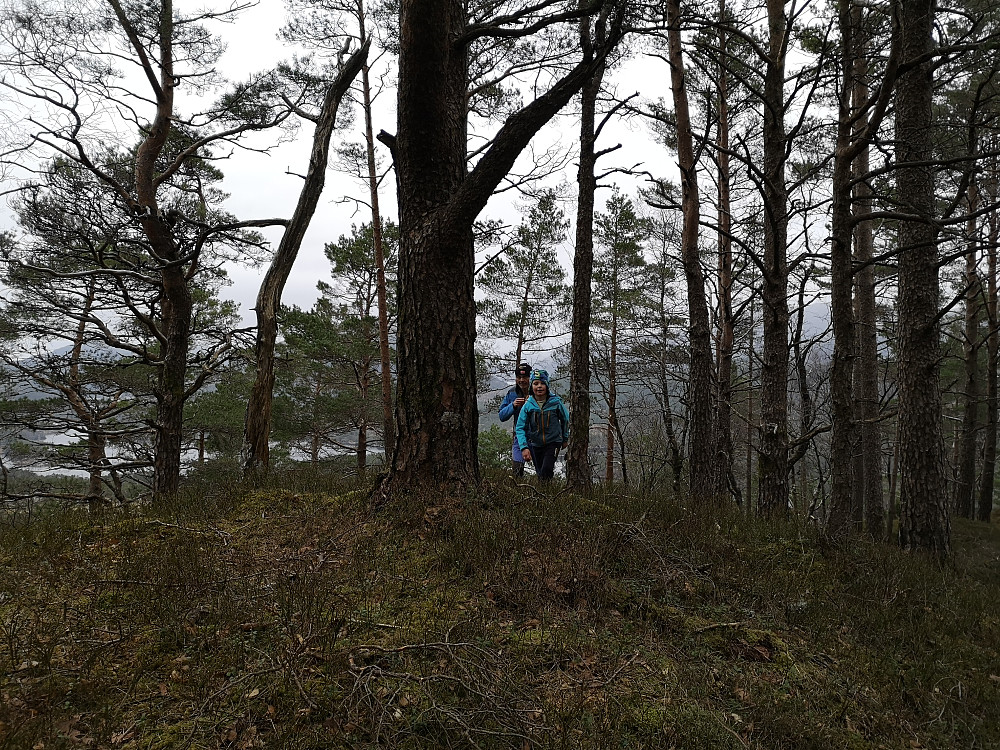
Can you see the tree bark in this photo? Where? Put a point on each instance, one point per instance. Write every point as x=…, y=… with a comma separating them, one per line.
x=842, y=440
x=965, y=486
x=702, y=442
x=727, y=324
x=772, y=489
x=868, y=470
x=436, y=411
x=385, y=356
x=924, y=521
x=985, y=504
x=257, y=427
x=578, y=474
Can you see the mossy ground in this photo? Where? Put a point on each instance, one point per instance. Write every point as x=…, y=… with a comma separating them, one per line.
x=308, y=618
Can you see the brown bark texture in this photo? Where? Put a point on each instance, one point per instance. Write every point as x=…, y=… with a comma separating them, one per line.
x=702, y=442
x=436, y=410
x=843, y=438
x=772, y=488
x=724, y=481
x=578, y=472
x=924, y=518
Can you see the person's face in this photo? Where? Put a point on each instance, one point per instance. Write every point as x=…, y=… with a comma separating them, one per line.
x=539, y=389
x=522, y=381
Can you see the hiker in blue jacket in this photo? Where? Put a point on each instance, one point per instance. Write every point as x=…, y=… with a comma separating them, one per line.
x=511, y=407
x=542, y=426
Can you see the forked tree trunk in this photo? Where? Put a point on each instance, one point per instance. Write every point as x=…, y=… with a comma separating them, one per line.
x=702, y=445
x=436, y=411
x=924, y=520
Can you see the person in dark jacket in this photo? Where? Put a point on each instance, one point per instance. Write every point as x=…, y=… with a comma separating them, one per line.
x=542, y=426
x=511, y=407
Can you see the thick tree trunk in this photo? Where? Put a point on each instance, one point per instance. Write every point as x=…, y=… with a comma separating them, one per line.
x=175, y=309
x=436, y=413
x=985, y=504
x=578, y=474
x=772, y=490
x=965, y=486
x=702, y=442
x=257, y=427
x=924, y=521
x=437, y=416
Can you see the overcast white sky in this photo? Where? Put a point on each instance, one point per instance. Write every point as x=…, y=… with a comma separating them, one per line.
x=265, y=186
x=260, y=187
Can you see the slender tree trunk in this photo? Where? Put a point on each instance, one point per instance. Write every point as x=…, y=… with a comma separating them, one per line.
x=868, y=471
x=578, y=474
x=609, y=459
x=802, y=376
x=965, y=486
x=772, y=490
x=257, y=427
x=751, y=338
x=727, y=325
x=985, y=504
x=924, y=521
x=892, y=513
x=523, y=317
x=842, y=440
x=385, y=354
x=702, y=442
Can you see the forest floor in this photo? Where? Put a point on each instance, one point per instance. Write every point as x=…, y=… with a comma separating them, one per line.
x=304, y=617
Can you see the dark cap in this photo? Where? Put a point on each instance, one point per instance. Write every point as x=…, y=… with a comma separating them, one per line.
x=523, y=370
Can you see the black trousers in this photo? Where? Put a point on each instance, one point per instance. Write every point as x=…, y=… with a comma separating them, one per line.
x=544, y=459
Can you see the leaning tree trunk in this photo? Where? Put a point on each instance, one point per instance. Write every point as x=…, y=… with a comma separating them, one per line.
x=924, y=521
x=257, y=427
x=702, y=443
x=578, y=474
x=772, y=490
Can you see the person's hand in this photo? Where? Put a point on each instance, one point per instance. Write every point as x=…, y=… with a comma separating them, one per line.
x=525, y=454
x=564, y=445
x=519, y=401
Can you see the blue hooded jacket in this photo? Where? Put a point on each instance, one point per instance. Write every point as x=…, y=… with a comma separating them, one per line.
x=542, y=425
